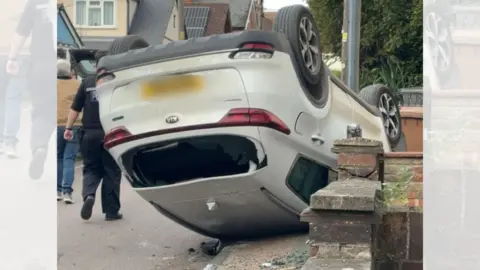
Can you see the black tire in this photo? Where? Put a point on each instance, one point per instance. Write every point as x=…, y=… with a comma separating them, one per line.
x=288, y=21
x=127, y=43
x=373, y=95
x=402, y=145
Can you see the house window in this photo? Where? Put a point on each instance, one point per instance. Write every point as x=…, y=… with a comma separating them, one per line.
x=95, y=13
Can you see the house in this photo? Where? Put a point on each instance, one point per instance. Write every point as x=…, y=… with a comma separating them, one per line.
x=244, y=14
x=206, y=19
x=99, y=22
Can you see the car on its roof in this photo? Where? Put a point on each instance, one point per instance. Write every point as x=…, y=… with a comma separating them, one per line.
x=229, y=135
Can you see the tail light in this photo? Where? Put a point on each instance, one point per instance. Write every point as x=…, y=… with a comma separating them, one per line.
x=253, y=117
x=254, y=51
x=115, y=137
x=257, y=46
x=234, y=118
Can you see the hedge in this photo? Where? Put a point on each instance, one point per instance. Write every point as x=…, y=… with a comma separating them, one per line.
x=391, y=39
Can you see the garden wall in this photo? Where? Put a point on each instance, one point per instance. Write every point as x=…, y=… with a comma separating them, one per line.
x=400, y=235
x=359, y=226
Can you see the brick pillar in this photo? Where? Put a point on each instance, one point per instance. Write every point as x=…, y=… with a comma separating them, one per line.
x=344, y=216
x=343, y=219
x=357, y=157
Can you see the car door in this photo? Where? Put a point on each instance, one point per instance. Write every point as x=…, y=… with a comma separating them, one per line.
x=307, y=127
x=332, y=121
x=318, y=128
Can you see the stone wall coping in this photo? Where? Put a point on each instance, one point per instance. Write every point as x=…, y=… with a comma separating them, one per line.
x=357, y=145
x=356, y=194
x=308, y=212
x=357, y=142
x=412, y=112
x=353, y=218
x=403, y=155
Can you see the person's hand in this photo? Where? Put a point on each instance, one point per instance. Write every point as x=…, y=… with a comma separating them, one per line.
x=12, y=67
x=68, y=135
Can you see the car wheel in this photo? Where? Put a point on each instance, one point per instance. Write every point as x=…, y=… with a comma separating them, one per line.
x=127, y=43
x=382, y=98
x=297, y=23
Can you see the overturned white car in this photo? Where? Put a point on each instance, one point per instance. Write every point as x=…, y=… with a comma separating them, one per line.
x=229, y=135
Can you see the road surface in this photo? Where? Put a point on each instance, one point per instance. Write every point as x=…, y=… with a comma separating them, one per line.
x=144, y=240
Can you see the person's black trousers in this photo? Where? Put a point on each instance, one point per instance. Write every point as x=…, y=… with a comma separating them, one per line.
x=99, y=165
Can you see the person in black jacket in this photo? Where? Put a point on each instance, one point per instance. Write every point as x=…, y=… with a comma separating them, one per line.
x=98, y=164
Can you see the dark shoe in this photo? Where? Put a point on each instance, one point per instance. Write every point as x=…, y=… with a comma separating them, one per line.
x=86, y=212
x=38, y=162
x=112, y=217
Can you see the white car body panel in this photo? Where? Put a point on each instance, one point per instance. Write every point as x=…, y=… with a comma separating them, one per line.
x=268, y=84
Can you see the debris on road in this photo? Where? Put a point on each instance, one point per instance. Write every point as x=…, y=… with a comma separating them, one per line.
x=279, y=253
x=294, y=260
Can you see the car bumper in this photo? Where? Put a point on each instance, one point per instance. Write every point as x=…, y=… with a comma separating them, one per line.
x=240, y=206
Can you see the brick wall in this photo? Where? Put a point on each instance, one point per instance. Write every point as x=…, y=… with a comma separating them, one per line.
x=400, y=241
x=397, y=163
x=400, y=235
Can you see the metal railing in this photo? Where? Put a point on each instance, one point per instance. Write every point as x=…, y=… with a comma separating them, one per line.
x=412, y=97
